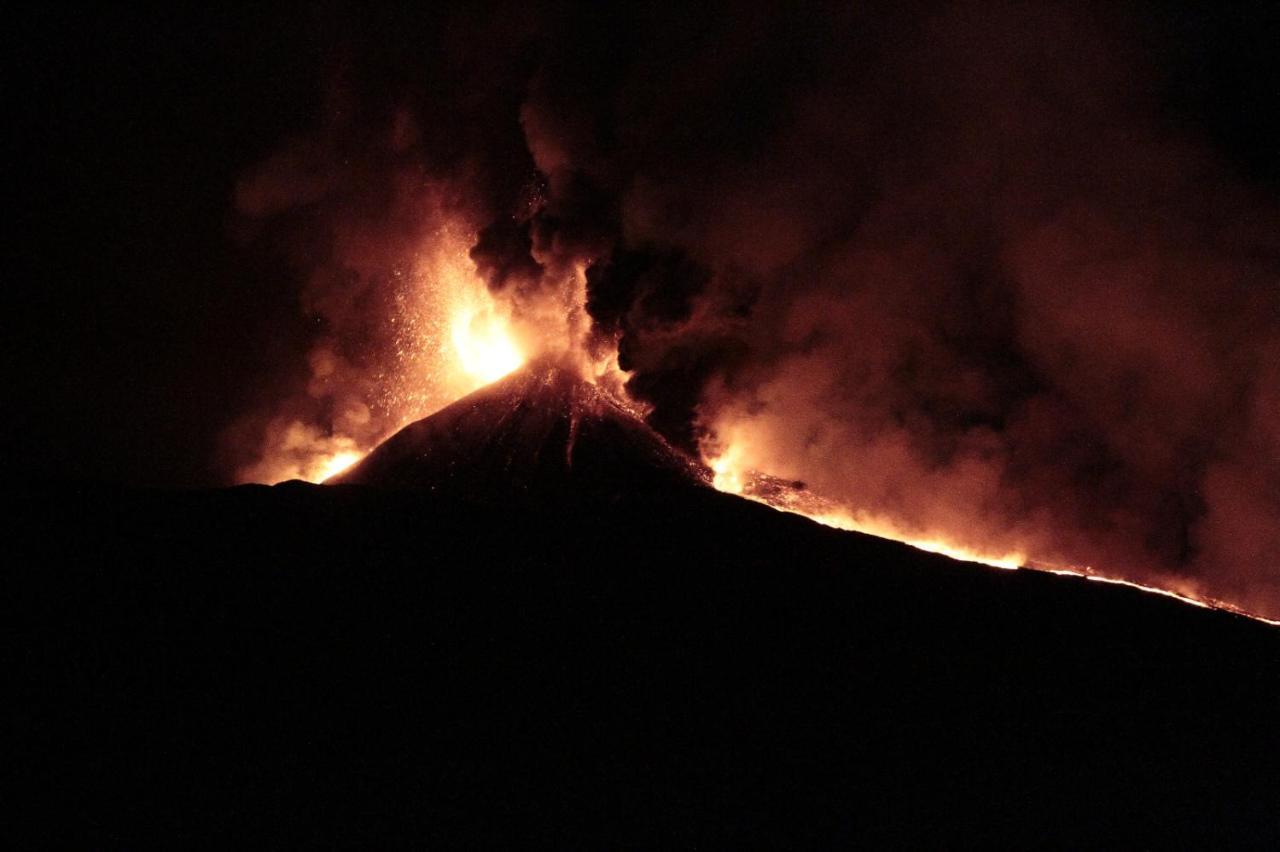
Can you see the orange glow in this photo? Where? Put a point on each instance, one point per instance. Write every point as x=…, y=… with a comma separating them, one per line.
x=337, y=463
x=454, y=335
x=727, y=471
x=484, y=345
x=732, y=475
x=1179, y=590
x=441, y=334
x=845, y=521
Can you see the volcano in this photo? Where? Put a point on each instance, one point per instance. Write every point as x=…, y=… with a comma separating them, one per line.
x=540, y=431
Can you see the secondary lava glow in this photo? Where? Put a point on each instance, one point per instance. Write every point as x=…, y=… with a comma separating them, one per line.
x=337, y=463
x=732, y=475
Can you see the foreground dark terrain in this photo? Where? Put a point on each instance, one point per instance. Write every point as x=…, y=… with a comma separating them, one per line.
x=342, y=665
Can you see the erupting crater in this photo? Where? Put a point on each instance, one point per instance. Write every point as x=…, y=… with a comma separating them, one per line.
x=542, y=428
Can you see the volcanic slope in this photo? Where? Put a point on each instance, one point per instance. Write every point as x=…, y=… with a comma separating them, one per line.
x=523, y=621
x=540, y=430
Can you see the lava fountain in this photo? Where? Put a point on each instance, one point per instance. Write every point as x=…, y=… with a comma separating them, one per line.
x=439, y=335
x=483, y=343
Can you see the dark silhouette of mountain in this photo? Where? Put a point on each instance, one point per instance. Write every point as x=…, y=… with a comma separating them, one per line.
x=607, y=654
x=540, y=430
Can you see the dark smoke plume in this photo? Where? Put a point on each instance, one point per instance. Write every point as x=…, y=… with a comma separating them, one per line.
x=953, y=267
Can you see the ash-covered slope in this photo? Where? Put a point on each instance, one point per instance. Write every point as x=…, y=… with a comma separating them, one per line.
x=542, y=429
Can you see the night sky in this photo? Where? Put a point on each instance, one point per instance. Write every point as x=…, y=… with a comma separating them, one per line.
x=1024, y=255
x=142, y=326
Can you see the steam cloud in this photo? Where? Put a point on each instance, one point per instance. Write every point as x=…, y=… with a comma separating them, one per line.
x=953, y=264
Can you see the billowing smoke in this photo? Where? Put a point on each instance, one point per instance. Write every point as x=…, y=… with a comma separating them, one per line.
x=954, y=265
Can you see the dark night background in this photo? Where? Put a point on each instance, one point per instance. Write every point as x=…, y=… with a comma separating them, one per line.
x=607, y=655
x=141, y=328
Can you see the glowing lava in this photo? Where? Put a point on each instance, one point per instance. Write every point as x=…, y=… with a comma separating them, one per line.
x=733, y=476
x=441, y=335
x=337, y=463
x=484, y=350
x=484, y=344
x=881, y=529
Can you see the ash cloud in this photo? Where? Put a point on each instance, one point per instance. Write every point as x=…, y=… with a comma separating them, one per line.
x=958, y=264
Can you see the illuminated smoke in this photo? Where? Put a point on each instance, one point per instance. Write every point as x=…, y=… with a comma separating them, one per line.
x=403, y=323
x=953, y=268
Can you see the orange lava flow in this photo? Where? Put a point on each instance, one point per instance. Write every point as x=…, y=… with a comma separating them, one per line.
x=732, y=476
x=789, y=497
